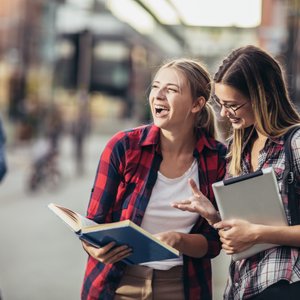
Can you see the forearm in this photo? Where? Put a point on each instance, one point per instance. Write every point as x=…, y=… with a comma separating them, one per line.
x=280, y=235
x=194, y=245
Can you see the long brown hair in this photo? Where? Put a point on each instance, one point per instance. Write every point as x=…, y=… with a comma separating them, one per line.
x=259, y=77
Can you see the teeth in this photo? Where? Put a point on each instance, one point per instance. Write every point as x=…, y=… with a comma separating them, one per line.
x=160, y=107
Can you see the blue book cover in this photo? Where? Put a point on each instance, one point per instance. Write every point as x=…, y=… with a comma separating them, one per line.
x=145, y=247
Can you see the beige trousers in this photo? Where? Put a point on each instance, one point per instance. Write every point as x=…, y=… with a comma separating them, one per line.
x=144, y=283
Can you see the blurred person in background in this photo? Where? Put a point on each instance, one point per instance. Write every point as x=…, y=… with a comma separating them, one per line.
x=250, y=90
x=140, y=172
x=45, y=170
x=54, y=126
x=3, y=164
x=17, y=92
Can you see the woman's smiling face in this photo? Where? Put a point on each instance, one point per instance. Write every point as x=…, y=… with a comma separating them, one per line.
x=235, y=106
x=171, y=100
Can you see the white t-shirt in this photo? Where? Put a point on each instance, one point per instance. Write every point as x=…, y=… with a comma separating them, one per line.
x=160, y=216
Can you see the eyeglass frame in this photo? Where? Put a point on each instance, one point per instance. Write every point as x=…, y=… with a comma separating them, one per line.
x=228, y=107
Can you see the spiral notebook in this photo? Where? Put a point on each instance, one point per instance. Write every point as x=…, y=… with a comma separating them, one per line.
x=253, y=197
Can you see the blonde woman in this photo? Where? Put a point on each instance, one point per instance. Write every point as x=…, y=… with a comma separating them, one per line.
x=140, y=172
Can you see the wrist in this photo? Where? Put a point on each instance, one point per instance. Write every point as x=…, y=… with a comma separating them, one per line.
x=179, y=240
x=215, y=218
x=256, y=233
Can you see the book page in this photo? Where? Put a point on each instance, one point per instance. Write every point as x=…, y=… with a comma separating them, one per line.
x=74, y=220
x=86, y=222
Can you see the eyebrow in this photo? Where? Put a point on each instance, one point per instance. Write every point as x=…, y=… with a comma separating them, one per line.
x=168, y=84
x=227, y=101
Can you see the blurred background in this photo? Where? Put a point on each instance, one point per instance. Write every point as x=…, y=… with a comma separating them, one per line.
x=74, y=72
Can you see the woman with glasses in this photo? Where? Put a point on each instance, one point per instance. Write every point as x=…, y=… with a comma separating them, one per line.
x=250, y=91
x=140, y=172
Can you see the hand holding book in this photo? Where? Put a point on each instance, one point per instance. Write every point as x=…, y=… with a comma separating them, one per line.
x=108, y=254
x=236, y=235
x=125, y=236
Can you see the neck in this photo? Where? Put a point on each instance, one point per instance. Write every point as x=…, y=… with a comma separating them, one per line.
x=177, y=143
x=261, y=137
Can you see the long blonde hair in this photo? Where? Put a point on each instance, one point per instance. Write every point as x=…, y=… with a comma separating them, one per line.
x=199, y=81
x=259, y=77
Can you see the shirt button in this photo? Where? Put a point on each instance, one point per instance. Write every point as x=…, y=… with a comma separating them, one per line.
x=236, y=285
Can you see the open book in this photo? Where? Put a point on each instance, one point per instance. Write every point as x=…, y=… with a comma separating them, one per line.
x=145, y=246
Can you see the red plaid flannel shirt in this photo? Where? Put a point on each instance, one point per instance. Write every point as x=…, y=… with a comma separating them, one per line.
x=126, y=174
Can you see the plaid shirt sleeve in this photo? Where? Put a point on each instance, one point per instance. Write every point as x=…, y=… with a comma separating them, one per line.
x=198, y=281
x=216, y=167
x=107, y=181
x=101, y=280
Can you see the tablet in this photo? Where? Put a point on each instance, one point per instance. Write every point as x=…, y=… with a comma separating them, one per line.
x=253, y=197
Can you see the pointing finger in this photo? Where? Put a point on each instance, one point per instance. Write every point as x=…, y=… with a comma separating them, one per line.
x=194, y=187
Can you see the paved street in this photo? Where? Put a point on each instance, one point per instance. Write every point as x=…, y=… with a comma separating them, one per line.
x=40, y=258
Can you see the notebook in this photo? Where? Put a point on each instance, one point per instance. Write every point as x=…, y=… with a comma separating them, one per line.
x=253, y=197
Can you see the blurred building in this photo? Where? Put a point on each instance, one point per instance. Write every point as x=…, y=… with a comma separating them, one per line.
x=106, y=58
x=26, y=35
x=292, y=49
x=64, y=52
x=279, y=33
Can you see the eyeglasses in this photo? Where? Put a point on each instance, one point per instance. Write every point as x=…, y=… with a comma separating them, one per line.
x=228, y=107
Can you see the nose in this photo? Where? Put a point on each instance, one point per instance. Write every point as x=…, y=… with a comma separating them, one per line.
x=224, y=112
x=161, y=93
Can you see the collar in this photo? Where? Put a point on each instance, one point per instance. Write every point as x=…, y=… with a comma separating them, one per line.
x=151, y=136
x=203, y=140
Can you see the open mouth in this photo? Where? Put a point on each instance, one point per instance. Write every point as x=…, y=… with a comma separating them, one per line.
x=161, y=110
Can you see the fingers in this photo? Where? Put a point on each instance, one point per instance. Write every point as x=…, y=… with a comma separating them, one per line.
x=228, y=249
x=227, y=246
x=186, y=204
x=194, y=187
x=183, y=205
x=94, y=251
x=187, y=201
x=107, y=254
x=116, y=255
x=88, y=248
x=225, y=225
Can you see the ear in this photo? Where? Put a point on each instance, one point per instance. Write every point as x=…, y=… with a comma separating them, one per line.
x=198, y=104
